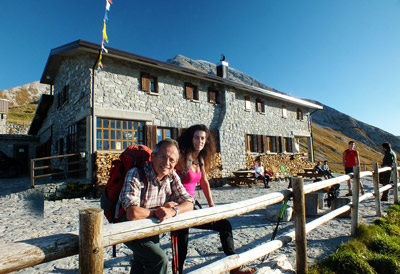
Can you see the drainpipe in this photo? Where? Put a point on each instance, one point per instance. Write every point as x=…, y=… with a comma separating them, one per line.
x=93, y=117
x=312, y=136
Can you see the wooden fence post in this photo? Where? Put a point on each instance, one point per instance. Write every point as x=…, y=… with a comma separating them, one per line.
x=32, y=173
x=355, y=199
x=375, y=180
x=396, y=182
x=300, y=225
x=91, y=246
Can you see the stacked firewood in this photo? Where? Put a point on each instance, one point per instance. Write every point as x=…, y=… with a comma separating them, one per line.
x=293, y=163
x=216, y=167
x=103, y=164
x=102, y=167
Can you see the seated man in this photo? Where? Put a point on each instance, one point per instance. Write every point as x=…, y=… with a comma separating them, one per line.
x=260, y=174
x=326, y=171
x=163, y=197
x=319, y=170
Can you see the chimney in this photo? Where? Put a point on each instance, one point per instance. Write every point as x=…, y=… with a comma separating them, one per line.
x=222, y=68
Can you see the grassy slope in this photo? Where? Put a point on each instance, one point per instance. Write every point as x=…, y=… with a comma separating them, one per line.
x=21, y=115
x=330, y=144
x=374, y=249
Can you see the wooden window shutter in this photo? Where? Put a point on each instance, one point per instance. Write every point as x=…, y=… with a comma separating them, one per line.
x=265, y=139
x=151, y=136
x=211, y=96
x=180, y=130
x=246, y=139
x=188, y=91
x=260, y=146
x=259, y=106
x=247, y=103
x=283, y=144
x=145, y=81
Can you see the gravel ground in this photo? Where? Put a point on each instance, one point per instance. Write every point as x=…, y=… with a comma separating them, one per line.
x=18, y=221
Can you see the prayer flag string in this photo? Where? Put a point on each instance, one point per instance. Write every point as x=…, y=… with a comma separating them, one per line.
x=105, y=37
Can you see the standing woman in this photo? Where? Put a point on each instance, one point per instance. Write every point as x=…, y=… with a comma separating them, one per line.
x=197, y=147
x=388, y=159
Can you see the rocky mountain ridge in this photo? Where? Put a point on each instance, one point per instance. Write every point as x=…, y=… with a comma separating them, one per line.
x=328, y=117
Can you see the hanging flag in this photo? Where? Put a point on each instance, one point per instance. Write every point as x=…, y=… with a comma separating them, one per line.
x=105, y=37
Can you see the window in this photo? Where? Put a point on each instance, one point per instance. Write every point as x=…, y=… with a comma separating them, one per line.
x=288, y=144
x=279, y=142
x=118, y=134
x=247, y=103
x=284, y=111
x=255, y=143
x=61, y=98
x=61, y=146
x=213, y=95
x=65, y=94
x=148, y=82
x=299, y=114
x=191, y=92
x=272, y=144
x=72, y=139
x=165, y=132
x=259, y=106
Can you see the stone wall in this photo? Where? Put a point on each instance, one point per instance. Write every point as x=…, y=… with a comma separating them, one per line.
x=3, y=123
x=118, y=88
x=118, y=95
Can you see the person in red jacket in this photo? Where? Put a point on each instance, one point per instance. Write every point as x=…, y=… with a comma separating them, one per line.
x=351, y=160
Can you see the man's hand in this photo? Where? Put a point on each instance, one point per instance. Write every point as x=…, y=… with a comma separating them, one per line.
x=163, y=213
x=170, y=204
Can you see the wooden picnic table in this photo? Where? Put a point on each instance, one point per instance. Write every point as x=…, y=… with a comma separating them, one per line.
x=244, y=176
x=311, y=173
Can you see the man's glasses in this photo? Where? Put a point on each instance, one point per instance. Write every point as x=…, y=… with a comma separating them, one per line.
x=165, y=159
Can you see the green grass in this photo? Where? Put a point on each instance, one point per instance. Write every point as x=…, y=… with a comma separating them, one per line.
x=374, y=249
x=21, y=115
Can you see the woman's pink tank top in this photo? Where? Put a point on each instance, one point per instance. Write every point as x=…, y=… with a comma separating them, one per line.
x=190, y=181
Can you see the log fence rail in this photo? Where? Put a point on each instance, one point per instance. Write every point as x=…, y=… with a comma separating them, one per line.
x=93, y=236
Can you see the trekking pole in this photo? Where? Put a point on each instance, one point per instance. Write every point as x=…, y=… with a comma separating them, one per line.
x=174, y=245
x=277, y=223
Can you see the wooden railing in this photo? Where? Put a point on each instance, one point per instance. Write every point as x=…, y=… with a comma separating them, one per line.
x=46, y=167
x=93, y=236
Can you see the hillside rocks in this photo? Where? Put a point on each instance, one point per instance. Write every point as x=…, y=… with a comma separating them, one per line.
x=353, y=128
x=211, y=68
x=12, y=128
x=25, y=94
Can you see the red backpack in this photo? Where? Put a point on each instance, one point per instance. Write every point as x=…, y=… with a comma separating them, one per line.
x=133, y=156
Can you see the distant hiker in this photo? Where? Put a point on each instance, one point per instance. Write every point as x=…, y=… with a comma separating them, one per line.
x=163, y=197
x=388, y=160
x=350, y=160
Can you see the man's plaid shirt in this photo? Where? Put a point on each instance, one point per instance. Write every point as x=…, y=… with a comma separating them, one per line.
x=156, y=193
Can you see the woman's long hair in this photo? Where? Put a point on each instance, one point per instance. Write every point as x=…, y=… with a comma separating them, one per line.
x=186, y=145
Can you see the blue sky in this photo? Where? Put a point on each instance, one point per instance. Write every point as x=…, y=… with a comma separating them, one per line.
x=342, y=53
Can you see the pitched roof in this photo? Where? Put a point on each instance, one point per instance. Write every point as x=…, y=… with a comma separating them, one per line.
x=79, y=46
